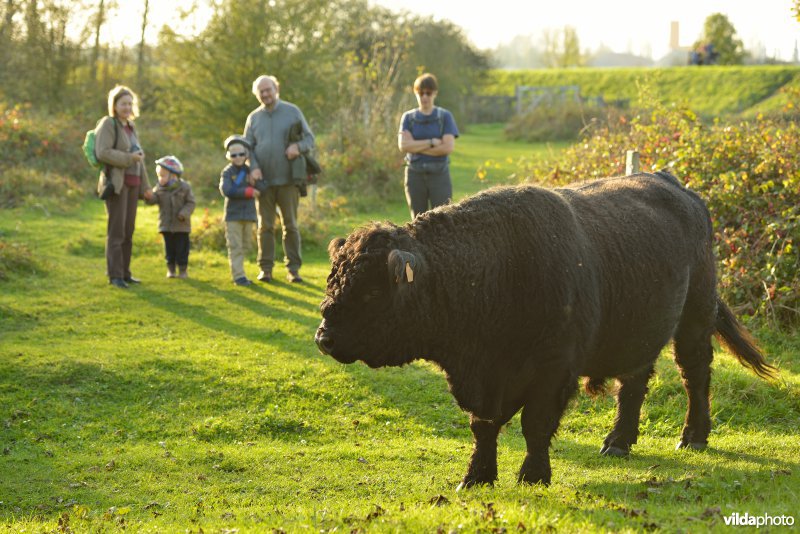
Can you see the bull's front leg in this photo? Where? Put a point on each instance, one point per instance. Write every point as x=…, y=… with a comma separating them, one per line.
x=483, y=464
x=546, y=401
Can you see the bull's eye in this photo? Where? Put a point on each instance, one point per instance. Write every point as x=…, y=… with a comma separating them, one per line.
x=372, y=295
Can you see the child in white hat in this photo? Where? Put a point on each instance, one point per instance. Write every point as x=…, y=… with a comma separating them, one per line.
x=175, y=206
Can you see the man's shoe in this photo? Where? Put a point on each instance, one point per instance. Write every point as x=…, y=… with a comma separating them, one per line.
x=264, y=277
x=132, y=280
x=118, y=282
x=294, y=277
x=243, y=281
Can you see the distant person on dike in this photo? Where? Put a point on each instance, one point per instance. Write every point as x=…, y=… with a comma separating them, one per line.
x=427, y=136
x=117, y=145
x=240, y=191
x=176, y=203
x=273, y=158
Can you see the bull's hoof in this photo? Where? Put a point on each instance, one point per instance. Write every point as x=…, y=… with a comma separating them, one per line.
x=534, y=474
x=616, y=452
x=694, y=445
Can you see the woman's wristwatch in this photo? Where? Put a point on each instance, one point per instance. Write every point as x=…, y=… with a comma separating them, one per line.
x=431, y=142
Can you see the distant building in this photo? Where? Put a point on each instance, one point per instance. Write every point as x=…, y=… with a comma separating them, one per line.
x=678, y=55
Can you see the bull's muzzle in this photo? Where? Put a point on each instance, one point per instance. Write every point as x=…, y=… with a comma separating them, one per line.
x=323, y=340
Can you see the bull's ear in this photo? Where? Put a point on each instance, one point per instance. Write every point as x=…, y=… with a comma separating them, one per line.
x=402, y=266
x=334, y=246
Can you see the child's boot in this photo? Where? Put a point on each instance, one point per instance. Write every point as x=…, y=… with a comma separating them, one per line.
x=183, y=273
x=171, y=270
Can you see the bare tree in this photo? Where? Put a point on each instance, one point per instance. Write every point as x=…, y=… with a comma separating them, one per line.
x=99, y=20
x=140, y=61
x=7, y=36
x=561, y=48
x=8, y=15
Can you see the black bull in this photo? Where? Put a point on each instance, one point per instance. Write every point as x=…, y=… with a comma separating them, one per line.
x=518, y=291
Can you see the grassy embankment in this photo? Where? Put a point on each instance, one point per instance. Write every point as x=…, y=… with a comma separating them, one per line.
x=709, y=91
x=188, y=405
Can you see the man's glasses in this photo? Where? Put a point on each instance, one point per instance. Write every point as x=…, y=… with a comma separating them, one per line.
x=425, y=93
x=238, y=154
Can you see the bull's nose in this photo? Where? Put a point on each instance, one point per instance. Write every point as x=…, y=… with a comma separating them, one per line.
x=324, y=342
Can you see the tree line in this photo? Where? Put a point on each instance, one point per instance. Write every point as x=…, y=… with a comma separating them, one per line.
x=334, y=58
x=560, y=48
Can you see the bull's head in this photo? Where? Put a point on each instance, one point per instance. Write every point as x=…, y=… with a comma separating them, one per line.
x=367, y=311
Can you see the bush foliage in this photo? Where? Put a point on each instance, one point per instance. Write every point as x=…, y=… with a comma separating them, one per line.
x=41, y=162
x=561, y=121
x=749, y=176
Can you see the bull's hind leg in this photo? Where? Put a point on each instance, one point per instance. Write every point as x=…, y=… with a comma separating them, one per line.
x=630, y=396
x=693, y=354
x=547, y=399
x=483, y=464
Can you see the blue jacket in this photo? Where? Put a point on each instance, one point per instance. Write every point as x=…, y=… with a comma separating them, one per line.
x=240, y=205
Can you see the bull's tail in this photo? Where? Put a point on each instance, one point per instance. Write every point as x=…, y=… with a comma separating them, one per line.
x=740, y=343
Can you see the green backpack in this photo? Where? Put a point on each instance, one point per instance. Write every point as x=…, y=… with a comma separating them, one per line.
x=88, y=150
x=88, y=147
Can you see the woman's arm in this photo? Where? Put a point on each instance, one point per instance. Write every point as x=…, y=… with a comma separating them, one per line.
x=406, y=143
x=445, y=146
x=153, y=196
x=104, y=145
x=144, y=187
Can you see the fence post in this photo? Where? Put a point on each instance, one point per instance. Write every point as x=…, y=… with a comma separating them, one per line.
x=631, y=162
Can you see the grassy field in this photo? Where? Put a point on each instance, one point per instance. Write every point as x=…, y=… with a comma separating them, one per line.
x=746, y=90
x=198, y=406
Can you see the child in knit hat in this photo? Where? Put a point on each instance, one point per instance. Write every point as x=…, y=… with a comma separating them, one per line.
x=175, y=206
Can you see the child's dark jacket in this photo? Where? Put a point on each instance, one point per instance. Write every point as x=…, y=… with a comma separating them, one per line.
x=240, y=204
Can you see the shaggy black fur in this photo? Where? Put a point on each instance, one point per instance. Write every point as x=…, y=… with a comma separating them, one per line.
x=518, y=291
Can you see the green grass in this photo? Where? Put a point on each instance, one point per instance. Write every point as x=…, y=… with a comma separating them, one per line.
x=709, y=91
x=196, y=405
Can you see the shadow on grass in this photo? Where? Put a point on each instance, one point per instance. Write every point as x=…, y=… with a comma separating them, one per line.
x=13, y=318
x=214, y=321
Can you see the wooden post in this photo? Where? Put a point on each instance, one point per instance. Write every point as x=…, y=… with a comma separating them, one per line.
x=631, y=162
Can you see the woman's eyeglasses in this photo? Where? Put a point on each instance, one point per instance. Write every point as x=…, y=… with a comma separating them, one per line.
x=238, y=154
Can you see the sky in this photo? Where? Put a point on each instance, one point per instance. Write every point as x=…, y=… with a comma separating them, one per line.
x=638, y=26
